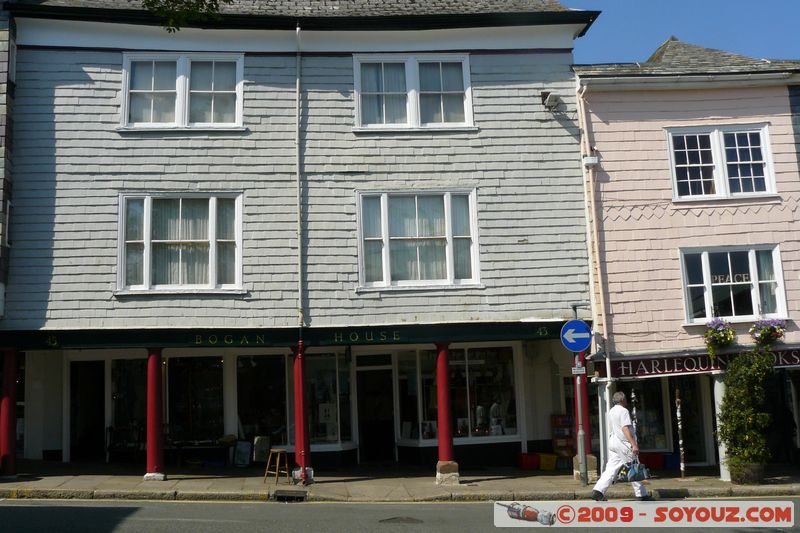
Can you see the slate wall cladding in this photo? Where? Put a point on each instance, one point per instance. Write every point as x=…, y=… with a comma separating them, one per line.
x=6, y=107
x=643, y=229
x=71, y=165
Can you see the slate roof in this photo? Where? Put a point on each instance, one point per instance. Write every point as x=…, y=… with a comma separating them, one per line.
x=328, y=14
x=336, y=8
x=675, y=57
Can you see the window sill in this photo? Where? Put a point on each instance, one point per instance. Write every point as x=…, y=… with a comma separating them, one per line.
x=413, y=130
x=742, y=320
x=420, y=288
x=682, y=203
x=190, y=292
x=488, y=439
x=181, y=129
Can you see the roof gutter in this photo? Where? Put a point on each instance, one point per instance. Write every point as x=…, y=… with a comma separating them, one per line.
x=686, y=81
x=317, y=23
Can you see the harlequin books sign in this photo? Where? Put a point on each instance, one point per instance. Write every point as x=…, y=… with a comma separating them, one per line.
x=690, y=364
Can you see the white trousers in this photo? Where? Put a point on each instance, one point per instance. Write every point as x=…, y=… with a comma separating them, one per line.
x=619, y=453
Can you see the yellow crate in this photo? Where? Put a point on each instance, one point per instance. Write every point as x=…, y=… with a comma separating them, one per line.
x=547, y=461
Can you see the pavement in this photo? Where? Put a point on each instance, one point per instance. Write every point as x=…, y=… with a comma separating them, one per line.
x=391, y=483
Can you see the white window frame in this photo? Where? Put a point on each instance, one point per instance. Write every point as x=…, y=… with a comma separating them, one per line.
x=387, y=282
x=780, y=293
x=147, y=285
x=411, y=63
x=721, y=183
x=183, y=69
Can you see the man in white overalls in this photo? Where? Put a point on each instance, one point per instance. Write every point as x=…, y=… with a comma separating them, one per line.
x=622, y=448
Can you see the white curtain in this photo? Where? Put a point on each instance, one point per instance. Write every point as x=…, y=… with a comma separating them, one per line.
x=402, y=216
x=224, y=76
x=194, y=226
x=431, y=216
x=178, y=220
x=372, y=233
x=430, y=77
x=224, y=108
x=452, y=77
x=767, y=286
x=134, y=251
x=403, y=260
x=201, y=76
x=371, y=103
x=395, y=82
x=462, y=258
x=432, y=260
x=430, y=81
x=226, y=241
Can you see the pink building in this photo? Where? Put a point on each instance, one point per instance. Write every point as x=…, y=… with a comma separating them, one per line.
x=692, y=178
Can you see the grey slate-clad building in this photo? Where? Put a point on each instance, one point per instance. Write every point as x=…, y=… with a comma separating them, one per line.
x=161, y=181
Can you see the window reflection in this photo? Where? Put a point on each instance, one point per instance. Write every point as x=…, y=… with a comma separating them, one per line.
x=129, y=399
x=482, y=395
x=261, y=397
x=195, y=398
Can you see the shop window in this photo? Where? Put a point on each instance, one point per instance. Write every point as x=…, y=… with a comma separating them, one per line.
x=327, y=388
x=427, y=368
x=482, y=396
x=195, y=399
x=20, y=407
x=129, y=399
x=261, y=397
x=345, y=417
x=651, y=429
x=409, y=394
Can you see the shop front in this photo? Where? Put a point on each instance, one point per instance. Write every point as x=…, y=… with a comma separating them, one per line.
x=371, y=395
x=657, y=382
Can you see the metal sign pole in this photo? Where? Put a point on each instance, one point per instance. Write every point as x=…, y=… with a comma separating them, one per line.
x=581, y=434
x=680, y=429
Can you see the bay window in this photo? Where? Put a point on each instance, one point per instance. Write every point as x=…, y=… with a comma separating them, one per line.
x=408, y=92
x=175, y=242
x=182, y=91
x=419, y=239
x=733, y=283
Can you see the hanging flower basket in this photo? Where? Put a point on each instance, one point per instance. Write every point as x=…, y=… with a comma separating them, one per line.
x=765, y=332
x=719, y=334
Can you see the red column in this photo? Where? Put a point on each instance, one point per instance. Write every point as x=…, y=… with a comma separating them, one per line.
x=444, y=410
x=582, y=402
x=8, y=415
x=155, y=426
x=302, y=452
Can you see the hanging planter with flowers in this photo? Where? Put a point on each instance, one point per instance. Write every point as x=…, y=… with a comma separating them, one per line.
x=719, y=334
x=765, y=332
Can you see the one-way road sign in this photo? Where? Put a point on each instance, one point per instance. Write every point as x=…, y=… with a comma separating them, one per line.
x=576, y=335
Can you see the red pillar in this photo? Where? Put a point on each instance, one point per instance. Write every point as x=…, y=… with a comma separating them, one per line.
x=582, y=402
x=302, y=452
x=155, y=426
x=444, y=410
x=8, y=415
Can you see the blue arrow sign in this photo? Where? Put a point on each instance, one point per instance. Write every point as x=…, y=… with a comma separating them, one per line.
x=576, y=335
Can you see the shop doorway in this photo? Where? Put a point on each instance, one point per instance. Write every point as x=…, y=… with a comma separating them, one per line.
x=375, y=415
x=780, y=389
x=87, y=411
x=693, y=419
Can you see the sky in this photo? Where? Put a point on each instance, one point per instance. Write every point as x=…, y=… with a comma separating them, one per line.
x=631, y=30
